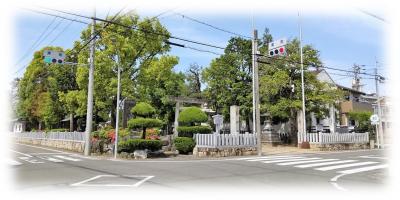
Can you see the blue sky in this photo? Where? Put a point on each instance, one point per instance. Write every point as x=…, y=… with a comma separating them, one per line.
x=342, y=40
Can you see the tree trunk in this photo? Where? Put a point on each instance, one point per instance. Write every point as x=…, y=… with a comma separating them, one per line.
x=71, y=122
x=293, y=126
x=144, y=133
x=40, y=126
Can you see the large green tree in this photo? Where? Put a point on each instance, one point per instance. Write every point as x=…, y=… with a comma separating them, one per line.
x=38, y=91
x=136, y=49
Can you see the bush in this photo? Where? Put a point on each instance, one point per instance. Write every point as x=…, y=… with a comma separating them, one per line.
x=59, y=130
x=184, y=144
x=131, y=145
x=192, y=115
x=144, y=122
x=143, y=109
x=188, y=131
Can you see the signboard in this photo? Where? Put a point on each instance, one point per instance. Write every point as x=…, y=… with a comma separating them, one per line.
x=50, y=56
x=374, y=119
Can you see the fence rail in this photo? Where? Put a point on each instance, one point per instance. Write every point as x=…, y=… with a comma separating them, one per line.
x=334, y=138
x=64, y=136
x=225, y=140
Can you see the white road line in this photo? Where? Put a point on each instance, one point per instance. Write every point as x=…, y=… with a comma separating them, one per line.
x=67, y=158
x=24, y=154
x=137, y=184
x=50, y=159
x=344, y=166
x=30, y=160
x=12, y=162
x=364, y=169
x=323, y=164
x=373, y=156
x=265, y=159
x=297, y=159
x=307, y=161
x=40, y=148
x=47, y=153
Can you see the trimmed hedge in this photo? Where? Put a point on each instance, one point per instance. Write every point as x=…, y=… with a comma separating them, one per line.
x=184, y=144
x=188, y=131
x=143, y=109
x=144, y=122
x=192, y=115
x=131, y=145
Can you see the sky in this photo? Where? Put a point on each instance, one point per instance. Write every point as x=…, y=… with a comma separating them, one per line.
x=343, y=39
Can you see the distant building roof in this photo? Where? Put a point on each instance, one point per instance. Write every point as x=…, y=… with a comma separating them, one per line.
x=350, y=89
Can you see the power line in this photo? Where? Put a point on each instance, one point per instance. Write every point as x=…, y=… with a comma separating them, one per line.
x=312, y=65
x=42, y=40
x=37, y=40
x=212, y=26
x=192, y=48
x=141, y=29
x=58, y=35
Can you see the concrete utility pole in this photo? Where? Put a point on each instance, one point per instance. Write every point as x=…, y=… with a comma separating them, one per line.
x=256, y=95
x=379, y=128
x=89, y=111
x=356, y=81
x=302, y=81
x=117, y=109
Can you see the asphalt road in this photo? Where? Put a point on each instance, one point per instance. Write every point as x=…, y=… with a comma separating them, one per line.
x=39, y=168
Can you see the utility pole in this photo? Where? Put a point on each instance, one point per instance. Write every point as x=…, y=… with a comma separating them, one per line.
x=89, y=111
x=117, y=111
x=302, y=81
x=356, y=85
x=379, y=133
x=256, y=95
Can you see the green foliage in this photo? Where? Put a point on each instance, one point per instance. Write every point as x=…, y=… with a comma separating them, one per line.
x=143, y=109
x=188, y=131
x=184, y=144
x=363, y=123
x=194, y=80
x=131, y=145
x=144, y=123
x=192, y=115
x=58, y=130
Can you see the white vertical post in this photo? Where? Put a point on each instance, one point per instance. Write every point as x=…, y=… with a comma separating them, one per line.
x=117, y=109
x=302, y=77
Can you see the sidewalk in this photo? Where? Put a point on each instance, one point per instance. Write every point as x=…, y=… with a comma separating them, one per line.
x=284, y=149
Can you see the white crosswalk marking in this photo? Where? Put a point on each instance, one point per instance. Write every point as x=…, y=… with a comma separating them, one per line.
x=13, y=162
x=307, y=161
x=344, y=166
x=30, y=160
x=281, y=158
x=364, y=169
x=262, y=157
x=296, y=159
x=325, y=163
x=67, y=158
x=50, y=159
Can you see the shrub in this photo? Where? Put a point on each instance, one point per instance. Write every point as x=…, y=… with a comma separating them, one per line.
x=58, y=130
x=143, y=109
x=188, y=131
x=184, y=144
x=192, y=115
x=131, y=145
x=144, y=123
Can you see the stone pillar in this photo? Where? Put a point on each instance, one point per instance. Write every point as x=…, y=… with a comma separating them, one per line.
x=219, y=122
x=300, y=130
x=332, y=119
x=176, y=124
x=234, y=119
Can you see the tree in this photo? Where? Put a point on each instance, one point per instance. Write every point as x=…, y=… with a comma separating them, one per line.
x=143, y=112
x=276, y=80
x=74, y=102
x=38, y=91
x=362, y=118
x=190, y=120
x=193, y=79
x=229, y=79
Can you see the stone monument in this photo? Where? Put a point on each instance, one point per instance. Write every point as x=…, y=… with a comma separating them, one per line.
x=234, y=119
x=269, y=135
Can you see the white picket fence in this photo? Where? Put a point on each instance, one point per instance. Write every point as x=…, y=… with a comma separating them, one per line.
x=64, y=136
x=225, y=140
x=334, y=138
